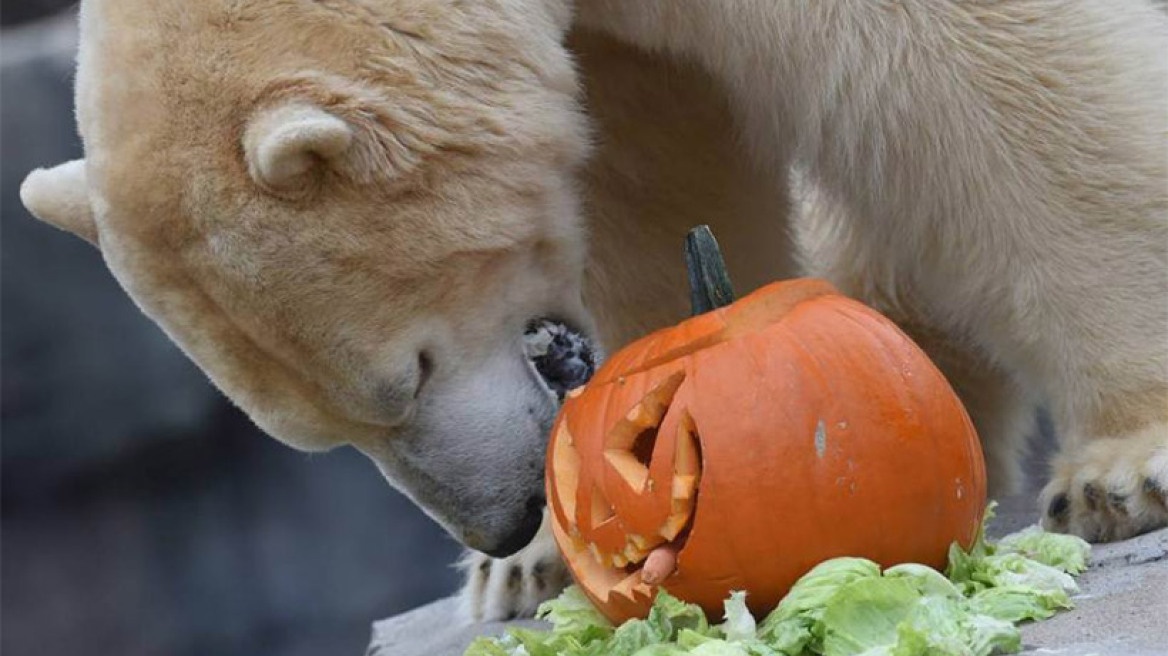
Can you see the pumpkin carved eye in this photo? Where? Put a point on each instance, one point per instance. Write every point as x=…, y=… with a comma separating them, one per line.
x=650, y=464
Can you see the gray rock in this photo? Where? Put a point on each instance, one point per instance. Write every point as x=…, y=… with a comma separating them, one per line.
x=1122, y=609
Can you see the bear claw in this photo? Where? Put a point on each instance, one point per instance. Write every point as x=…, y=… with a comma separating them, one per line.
x=1156, y=491
x=1110, y=489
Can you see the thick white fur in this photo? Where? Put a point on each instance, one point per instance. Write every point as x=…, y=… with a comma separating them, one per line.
x=990, y=174
x=998, y=168
x=993, y=176
x=346, y=213
x=60, y=196
x=283, y=143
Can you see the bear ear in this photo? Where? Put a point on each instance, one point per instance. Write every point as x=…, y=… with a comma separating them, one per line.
x=60, y=197
x=284, y=143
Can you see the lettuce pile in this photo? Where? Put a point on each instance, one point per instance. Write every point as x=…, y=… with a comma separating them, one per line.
x=842, y=607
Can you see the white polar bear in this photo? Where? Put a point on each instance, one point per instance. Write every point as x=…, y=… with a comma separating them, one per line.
x=991, y=175
x=346, y=212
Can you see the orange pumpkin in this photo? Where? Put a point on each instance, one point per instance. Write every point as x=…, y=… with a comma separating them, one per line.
x=761, y=438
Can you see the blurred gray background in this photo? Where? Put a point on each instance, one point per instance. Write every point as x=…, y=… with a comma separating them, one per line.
x=140, y=513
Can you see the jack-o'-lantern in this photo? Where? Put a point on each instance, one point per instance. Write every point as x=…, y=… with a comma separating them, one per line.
x=759, y=439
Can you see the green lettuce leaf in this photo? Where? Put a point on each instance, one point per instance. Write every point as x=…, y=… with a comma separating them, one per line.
x=943, y=626
x=1016, y=570
x=791, y=636
x=571, y=612
x=484, y=646
x=1018, y=603
x=690, y=639
x=663, y=649
x=739, y=625
x=1068, y=553
x=811, y=592
x=794, y=625
x=988, y=635
x=963, y=566
x=841, y=607
x=925, y=579
x=932, y=626
x=632, y=636
x=719, y=648
x=669, y=615
x=865, y=614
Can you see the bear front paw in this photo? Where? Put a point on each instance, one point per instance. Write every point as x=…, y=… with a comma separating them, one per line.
x=1110, y=489
x=499, y=589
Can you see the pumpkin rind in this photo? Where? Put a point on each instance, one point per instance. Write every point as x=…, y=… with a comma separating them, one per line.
x=823, y=431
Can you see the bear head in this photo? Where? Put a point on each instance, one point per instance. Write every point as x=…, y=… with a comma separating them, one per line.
x=346, y=212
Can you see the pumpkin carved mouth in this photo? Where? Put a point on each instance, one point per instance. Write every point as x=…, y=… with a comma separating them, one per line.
x=651, y=464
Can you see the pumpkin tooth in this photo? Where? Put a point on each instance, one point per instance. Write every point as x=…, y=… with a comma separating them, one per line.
x=601, y=510
x=686, y=459
x=633, y=588
x=639, y=416
x=633, y=554
x=619, y=561
x=684, y=486
x=624, y=587
x=682, y=506
x=628, y=468
x=674, y=524
x=638, y=540
x=595, y=551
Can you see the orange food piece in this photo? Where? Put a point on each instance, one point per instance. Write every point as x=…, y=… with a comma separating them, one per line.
x=659, y=564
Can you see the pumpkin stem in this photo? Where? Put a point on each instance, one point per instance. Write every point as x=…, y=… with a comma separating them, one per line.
x=709, y=282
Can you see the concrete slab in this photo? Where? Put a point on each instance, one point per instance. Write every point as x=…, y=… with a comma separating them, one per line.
x=1123, y=607
x=1122, y=610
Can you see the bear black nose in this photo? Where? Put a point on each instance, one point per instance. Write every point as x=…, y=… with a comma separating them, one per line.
x=524, y=532
x=564, y=357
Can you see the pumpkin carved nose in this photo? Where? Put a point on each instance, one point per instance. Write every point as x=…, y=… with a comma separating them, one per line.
x=563, y=357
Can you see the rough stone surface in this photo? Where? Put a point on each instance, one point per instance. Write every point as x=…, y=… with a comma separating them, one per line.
x=1123, y=607
x=1122, y=610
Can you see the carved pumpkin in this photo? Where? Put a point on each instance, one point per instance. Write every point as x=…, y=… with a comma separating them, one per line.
x=761, y=438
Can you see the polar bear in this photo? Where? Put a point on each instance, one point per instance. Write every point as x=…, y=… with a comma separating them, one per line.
x=348, y=212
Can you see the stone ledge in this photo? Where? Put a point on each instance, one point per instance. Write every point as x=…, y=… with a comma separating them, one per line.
x=1122, y=610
